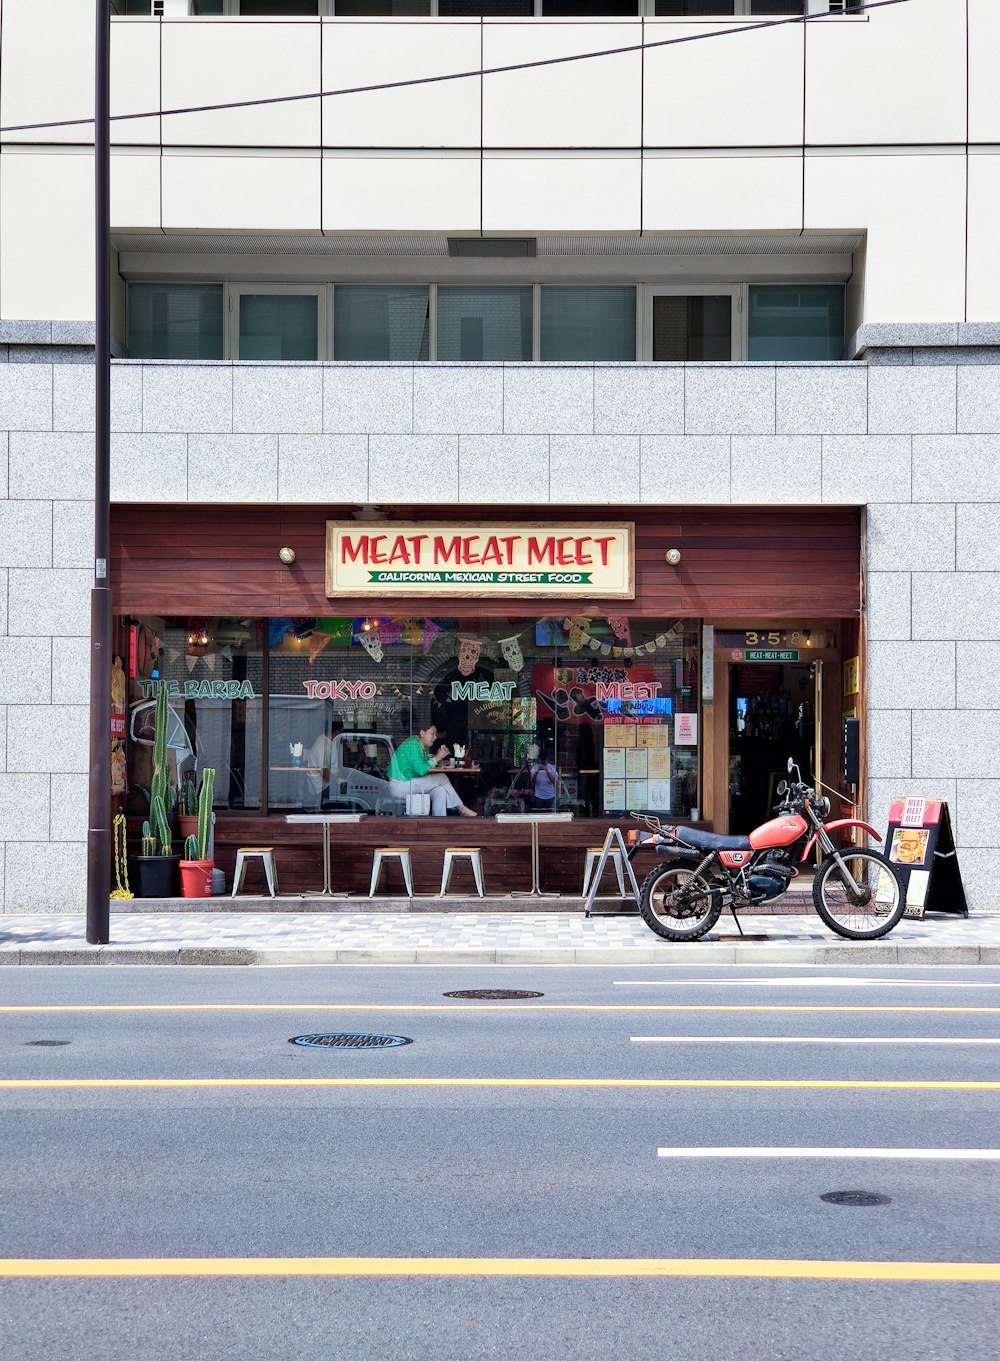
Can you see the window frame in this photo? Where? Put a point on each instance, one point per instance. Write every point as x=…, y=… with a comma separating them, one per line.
x=736, y=292
x=231, y=321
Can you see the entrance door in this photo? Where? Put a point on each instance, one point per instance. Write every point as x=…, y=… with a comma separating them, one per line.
x=773, y=709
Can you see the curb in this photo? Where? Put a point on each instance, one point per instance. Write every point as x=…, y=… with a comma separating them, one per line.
x=848, y=953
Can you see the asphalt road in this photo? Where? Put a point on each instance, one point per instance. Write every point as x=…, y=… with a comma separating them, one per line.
x=452, y=1155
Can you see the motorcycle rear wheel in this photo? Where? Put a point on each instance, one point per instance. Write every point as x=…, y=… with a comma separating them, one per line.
x=871, y=913
x=687, y=919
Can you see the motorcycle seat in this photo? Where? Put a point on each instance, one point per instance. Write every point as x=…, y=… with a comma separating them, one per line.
x=712, y=841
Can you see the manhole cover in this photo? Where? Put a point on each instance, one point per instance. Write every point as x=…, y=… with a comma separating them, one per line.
x=855, y=1198
x=493, y=995
x=46, y=1044
x=350, y=1041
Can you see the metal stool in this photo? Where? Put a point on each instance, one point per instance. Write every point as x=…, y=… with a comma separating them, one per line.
x=266, y=854
x=400, y=853
x=590, y=864
x=470, y=853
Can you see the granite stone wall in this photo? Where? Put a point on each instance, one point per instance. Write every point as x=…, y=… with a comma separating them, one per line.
x=916, y=443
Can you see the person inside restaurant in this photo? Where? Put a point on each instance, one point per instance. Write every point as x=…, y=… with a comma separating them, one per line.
x=412, y=770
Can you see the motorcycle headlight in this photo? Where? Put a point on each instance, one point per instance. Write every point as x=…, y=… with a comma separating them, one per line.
x=822, y=806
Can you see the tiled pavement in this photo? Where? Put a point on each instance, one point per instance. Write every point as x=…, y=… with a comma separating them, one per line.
x=480, y=938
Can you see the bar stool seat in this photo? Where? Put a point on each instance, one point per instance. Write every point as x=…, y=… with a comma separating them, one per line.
x=471, y=853
x=591, y=862
x=266, y=855
x=400, y=853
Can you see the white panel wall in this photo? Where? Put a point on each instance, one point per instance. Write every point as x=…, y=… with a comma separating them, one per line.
x=373, y=53
x=401, y=193
x=553, y=193
x=47, y=235
x=208, y=62
x=135, y=189
x=984, y=64
x=722, y=193
x=744, y=89
x=256, y=193
x=913, y=208
x=896, y=76
x=984, y=215
x=593, y=103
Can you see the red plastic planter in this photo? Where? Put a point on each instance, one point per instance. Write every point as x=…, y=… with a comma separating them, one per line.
x=196, y=878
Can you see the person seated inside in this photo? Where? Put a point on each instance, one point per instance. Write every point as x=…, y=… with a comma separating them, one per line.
x=412, y=770
x=543, y=783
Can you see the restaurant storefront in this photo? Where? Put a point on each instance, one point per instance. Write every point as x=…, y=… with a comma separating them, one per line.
x=641, y=661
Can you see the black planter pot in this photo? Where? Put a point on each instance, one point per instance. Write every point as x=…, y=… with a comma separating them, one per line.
x=159, y=876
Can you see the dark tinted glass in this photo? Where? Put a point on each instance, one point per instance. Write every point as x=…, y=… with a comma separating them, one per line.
x=692, y=328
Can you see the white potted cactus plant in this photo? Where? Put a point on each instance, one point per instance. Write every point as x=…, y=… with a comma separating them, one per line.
x=157, y=862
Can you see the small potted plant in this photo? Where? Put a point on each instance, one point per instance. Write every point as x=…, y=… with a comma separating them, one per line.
x=157, y=863
x=196, y=868
x=187, y=806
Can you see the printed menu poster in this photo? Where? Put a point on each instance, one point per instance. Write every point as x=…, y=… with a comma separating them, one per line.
x=658, y=764
x=614, y=761
x=635, y=763
x=655, y=736
x=636, y=793
x=909, y=846
x=659, y=796
x=614, y=795
x=621, y=734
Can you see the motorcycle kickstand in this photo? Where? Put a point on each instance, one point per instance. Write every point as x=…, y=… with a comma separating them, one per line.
x=739, y=924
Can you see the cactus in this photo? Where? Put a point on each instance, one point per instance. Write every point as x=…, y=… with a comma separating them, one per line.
x=205, y=800
x=159, y=785
x=148, y=840
x=187, y=797
x=191, y=849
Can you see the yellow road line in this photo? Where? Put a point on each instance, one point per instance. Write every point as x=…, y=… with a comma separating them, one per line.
x=493, y=1009
x=812, y=1083
x=759, y=1268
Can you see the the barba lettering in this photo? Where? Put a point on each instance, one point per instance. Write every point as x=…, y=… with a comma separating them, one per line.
x=195, y=689
x=477, y=550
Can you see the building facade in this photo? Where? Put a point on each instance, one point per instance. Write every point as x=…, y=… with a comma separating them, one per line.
x=729, y=284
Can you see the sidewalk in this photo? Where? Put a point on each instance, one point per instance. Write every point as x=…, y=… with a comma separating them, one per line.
x=477, y=938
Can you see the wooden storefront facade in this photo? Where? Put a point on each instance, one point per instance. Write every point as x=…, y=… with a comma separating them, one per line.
x=755, y=570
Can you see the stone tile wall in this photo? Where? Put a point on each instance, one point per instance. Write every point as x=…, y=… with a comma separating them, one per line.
x=917, y=444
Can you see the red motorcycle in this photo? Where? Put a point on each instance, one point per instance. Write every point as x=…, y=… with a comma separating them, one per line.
x=855, y=890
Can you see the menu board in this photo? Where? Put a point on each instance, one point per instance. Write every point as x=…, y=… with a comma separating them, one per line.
x=921, y=847
x=658, y=796
x=658, y=764
x=636, y=794
x=614, y=795
x=614, y=761
x=635, y=763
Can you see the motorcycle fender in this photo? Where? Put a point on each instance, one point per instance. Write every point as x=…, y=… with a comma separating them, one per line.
x=835, y=826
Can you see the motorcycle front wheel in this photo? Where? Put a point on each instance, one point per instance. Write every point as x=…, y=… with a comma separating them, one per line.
x=866, y=909
x=677, y=904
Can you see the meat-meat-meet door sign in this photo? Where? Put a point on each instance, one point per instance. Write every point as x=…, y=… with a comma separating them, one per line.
x=921, y=846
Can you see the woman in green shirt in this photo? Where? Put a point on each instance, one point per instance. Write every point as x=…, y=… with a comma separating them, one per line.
x=412, y=771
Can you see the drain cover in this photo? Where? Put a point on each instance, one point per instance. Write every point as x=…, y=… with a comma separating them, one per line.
x=350, y=1041
x=855, y=1198
x=46, y=1044
x=492, y=995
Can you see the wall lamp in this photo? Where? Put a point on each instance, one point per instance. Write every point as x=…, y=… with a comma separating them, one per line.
x=673, y=556
x=287, y=556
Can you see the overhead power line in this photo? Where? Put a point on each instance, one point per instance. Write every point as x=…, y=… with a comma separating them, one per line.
x=453, y=75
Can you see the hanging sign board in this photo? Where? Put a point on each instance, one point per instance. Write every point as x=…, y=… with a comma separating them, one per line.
x=502, y=560
x=921, y=846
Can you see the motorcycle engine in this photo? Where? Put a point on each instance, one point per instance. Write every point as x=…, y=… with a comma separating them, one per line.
x=771, y=877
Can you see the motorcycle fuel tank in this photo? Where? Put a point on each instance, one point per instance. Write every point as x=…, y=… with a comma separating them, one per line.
x=780, y=831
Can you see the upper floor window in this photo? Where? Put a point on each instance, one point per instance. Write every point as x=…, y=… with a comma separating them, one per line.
x=551, y=323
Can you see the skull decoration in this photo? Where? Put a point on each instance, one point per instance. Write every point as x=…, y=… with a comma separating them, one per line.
x=468, y=655
x=371, y=644
x=512, y=654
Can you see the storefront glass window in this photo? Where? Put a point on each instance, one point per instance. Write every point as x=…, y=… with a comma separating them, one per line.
x=213, y=671
x=536, y=712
